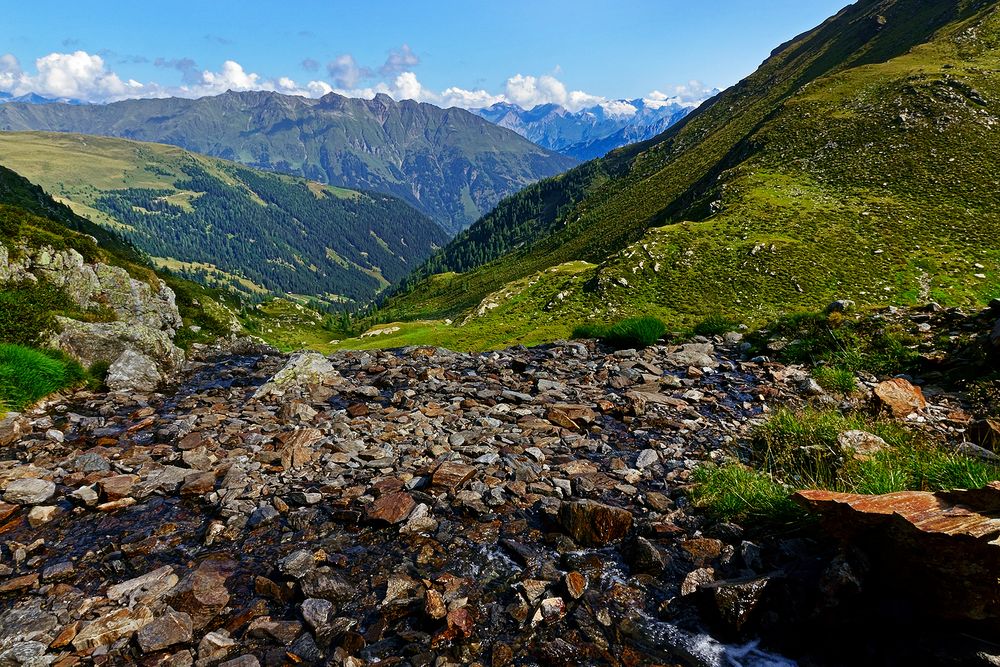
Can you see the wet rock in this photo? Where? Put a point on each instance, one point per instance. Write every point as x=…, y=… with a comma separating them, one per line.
x=696, y=579
x=576, y=584
x=434, y=605
x=202, y=592
x=391, y=508
x=323, y=583
x=297, y=564
x=29, y=491
x=146, y=588
x=592, y=523
x=316, y=613
x=42, y=514
x=133, y=371
x=899, y=397
x=736, y=600
x=241, y=661
x=645, y=557
x=167, y=630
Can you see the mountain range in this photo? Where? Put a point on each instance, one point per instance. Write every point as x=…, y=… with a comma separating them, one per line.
x=590, y=132
x=227, y=225
x=448, y=163
x=858, y=162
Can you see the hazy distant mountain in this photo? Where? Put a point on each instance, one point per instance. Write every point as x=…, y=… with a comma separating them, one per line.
x=589, y=132
x=35, y=98
x=449, y=163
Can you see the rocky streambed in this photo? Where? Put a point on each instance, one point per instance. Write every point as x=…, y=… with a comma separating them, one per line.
x=411, y=507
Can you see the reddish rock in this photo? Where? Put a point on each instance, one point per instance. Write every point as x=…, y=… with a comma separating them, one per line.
x=899, y=397
x=298, y=447
x=357, y=409
x=198, y=484
x=576, y=584
x=592, y=523
x=434, y=605
x=702, y=549
x=117, y=486
x=391, y=508
x=451, y=475
x=202, y=592
x=941, y=547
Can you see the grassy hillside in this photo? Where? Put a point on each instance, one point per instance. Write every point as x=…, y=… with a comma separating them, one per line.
x=448, y=163
x=858, y=162
x=226, y=225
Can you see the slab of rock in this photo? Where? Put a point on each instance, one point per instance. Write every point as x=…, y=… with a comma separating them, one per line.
x=899, y=397
x=939, y=548
x=698, y=355
x=174, y=627
x=202, y=592
x=29, y=491
x=592, y=523
x=146, y=588
x=451, y=475
x=112, y=626
x=861, y=443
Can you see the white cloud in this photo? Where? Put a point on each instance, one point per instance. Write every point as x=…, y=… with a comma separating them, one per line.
x=85, y=76
x=690, y=94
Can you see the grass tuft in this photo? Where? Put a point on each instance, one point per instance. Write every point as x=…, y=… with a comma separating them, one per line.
x=834, y=378
x=27, y=375
x=715, y=325
x=735, y=492
x=633, y=332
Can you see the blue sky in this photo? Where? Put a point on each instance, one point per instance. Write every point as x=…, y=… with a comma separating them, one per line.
x=445, y=51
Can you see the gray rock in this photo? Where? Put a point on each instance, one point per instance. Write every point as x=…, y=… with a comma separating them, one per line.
x=26, y=654
x=646, y=458
x=133, y=371
x=174, y=627
x=29, y=491
x=12, y=427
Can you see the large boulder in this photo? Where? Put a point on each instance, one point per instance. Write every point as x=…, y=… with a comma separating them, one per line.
x=133, y=371
x=91, y=342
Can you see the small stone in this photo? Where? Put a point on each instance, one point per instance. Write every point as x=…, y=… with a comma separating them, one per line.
x=451, y=475
x=214, y=646
x=316, y=612
x=297, y=563
x=646, y=458
x=697, y=578
x=900, y=397
x=861, y=443
x=434, y=605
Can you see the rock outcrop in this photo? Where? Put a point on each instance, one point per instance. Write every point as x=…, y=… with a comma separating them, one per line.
x=144, y=316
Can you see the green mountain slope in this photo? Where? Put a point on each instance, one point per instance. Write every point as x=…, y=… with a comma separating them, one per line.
x=859, y=161
x=448, y=163
x=228, y=225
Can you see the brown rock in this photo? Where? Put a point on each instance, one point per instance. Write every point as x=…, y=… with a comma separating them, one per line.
x=198, y=484
x=298, y=447
x=18, y=583
x=202, y=592
x=434, y=605
x=899, y=397
x=592, y=523
x=65, y=635
x=12, y=427
x=940, y=548
x=172, y=628
x=391, y=508
x=702, y=549
x=357, y=409
x=111, y=627
x=576, y=584
x=451, y=475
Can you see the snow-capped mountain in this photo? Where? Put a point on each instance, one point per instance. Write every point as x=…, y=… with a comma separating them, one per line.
x=590, y=132
x=34, y=98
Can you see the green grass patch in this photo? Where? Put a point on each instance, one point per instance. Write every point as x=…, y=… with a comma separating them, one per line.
x=27, y=311
x=735, y=492
x=850, y=344
x=800, y=450
x=633, y=332
x=28, y=375
x=836, y=379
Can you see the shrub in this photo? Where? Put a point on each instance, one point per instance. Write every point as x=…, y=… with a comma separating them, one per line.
x=27, y=311
x=715, y=325
x=734, y=492
x=27, y=375
x=633, y=332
